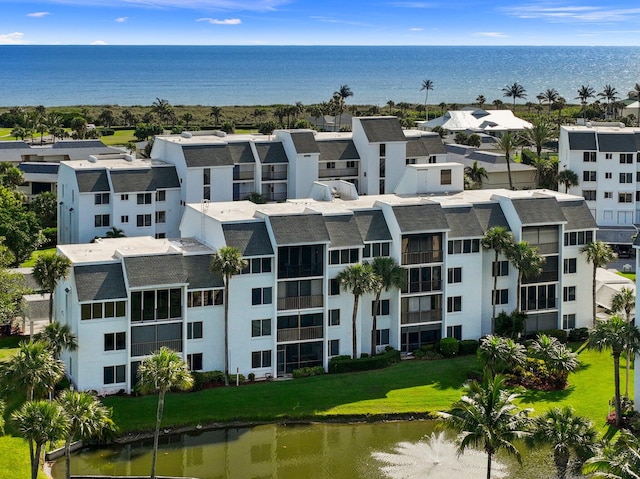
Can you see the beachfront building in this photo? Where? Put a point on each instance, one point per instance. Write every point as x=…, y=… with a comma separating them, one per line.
x=126, y=297
x=19, y=151
x=476, y=120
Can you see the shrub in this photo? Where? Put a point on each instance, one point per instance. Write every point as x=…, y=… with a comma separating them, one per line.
x=252, y=377
x=344, y=364
x=559, y=334
x=50, y=237
x=536, y=375
x=306, y=372
x=578, y=334
x=528, y=156
x=428, y=354
x=107, y=132
x=202, y=380
x=449, y=347
x=469, y=346
x=232, y=378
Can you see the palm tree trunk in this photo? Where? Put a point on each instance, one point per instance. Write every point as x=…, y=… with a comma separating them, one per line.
x=509, y=172
x=354, y=327
x=519, y=284
x=374, y=324
x=488, y=465
x=226, y=330
x=34, y=461
x=561, y=460
x=67, y=456
x=51, y=307
x=593, y=293
x=616, y=381
x=156, y=435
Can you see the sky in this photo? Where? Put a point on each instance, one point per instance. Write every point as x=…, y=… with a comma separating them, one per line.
x=320, y=22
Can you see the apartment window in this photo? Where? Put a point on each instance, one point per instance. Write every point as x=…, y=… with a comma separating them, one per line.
x=101, y=199
x=383, y=149
x=334, y=287
x=637, y=195
x=608, y=175
x=463, y=246
x=115, y=341
x=261, y=359
x=101, y=221
x=589, y=195
x=588, y=176
x=334, y=347
x=626, y=177
x=160, y=235
x=334, y=317
x=445, y=177
x=206, y=193
x=260, y=296
x=110, y=309
x=114, y=374
x=260, y=327
x=382, y=337
x=207, y=297
x=410, y=161
x=124, y=219
x=383, y=307
x=570, y=265
x=124, y=197
x=194, y=362
x=501, y=297
x=351, y=164
x=500, y=268
x=608, y=156
x=625, y=198
x=143, y=220
x=608, y=195
x=331, y=165
x=626, y=158
x=423, y=279
x=343, y=256
x=454, y=275
x=568, y=321
x=578, y=238
x=454, y=304
x=454, y=332
x=161, y=195
x=569, y=293
x=373, y=250
x=144, y=198
x=206, y=176
x=153, y=305
x=381, y=186
x=589, y=156
x=161, y=216
x=194, y=330
x=538, y=297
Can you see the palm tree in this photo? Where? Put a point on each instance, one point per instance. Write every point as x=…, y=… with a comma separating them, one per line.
x=556, y=356
x=215, y=113
x=358, y=279
x=40, y=422
x=549, y=96
x=487, y=417
x=115, y=233
x=228, y=262
x=498, y=354
x=598, y=254
x=625, y=300
x=426, y=86
x=48, y=269
x=87, y=418
x=514, y=91
x=476, y=173
x=343, y=93
x=565, y=432
x=507, y=143
x=481, y=100
x=568, y=178
x=540, y=133
x=498, y=239
x=389, y=275
x=584, y=93
x=527, y=261
x=620, y=460
x=610, y=94
x=163, y=371
x=163, y=109
x=187, y=118
x=619, y=336
x=58, y=337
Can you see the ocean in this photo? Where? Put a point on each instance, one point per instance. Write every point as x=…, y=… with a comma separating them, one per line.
x=264, y=75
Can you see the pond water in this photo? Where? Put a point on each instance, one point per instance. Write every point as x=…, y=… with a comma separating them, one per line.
x=403, y=449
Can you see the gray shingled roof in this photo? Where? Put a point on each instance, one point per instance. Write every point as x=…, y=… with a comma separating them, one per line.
x=582, y=140
x=78, y=144
x=538, y=211
x=271, y=152
x=434, y=144
x=304, y=142
x=299, y=229
x=13, y=145
x=578, y=215
x=98, y=282
x=165, y=269
x=343, y=231
x=490, y=215
x=92, y=181
x=463, y=222
x=425, y=145
x=617, y=142
x=241, y=152
x=382, y=130
x=252, y=239
x=416, y=148
x=147, y=179
x=41, y=168
x=207, y=155
x=336, y=150
x=421, y=218
x=372, y=225
x=199, y=275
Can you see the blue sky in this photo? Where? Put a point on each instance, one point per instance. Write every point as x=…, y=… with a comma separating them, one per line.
x=320, y=22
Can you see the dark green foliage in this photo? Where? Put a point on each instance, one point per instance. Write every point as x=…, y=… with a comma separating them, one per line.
x=45, y=207
x=578, y=334
x=267, y=127
x=535, y=375
x=106, y=132
x=306, y=372
x=232, y=378
x=468, y=346
x=144, y=130
x=428, y=354
x=510, y=325
x=204, y=380
x=19, y=227
x=528, y=156
x=449, y=347
x=228, y=127
x=252, y=377
x=50, y=237
x=344, y=364
x=559, y=334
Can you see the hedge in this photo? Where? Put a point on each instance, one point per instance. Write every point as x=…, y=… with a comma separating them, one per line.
x=309, y=371
x=344, y=364
x=449, y=347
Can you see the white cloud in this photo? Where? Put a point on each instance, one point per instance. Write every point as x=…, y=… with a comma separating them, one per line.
x=490, y=34
x=14, y=38
x=215, y=21
x=253, y=5
x=38, y=14
x=415, y=29
x=99, y=42
x=122, y=19
x=573, y=13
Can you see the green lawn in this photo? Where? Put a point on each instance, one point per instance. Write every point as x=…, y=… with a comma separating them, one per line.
x=5, y=134
x=9, y=345
x=31, y=261
x=631, y=276
x=121, y=137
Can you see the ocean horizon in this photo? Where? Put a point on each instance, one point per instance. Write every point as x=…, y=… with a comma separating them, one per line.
x=65, y=75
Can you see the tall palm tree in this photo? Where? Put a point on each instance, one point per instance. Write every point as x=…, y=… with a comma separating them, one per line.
x=526, y=259
x=508, y=142
x=598, y=254
x=228, y=262
x=215, y=113
x=514, y=91
x=610, y=94
x=358, y=279
x=40, y=422
x=540, y=133
x=48, y=269
x=87, y=417
x=58, y=337
x=427, y=85
x=498, y=239
x=476, y=173
x=163, y=371
x=389, y=275
x=481, y=100
x=565, y=432
x=486, y=417
x=625, y=300
x=498, y=354
x=549, y=96
x=568, y=178
x=620, y=460
x=343, y=93
x=584, y=93
x=187, y=118
x=618, y=336
x=163, y=109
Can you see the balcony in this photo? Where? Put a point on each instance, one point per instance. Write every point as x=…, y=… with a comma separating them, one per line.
x=243, y=175
x=300, y=271
x=337, y=172
x=412, y=317
x=423, y=286
x=547, y=248
x=539, y=305
x=421, y=257
x=145, y=349
x=544, y=277
x=274, y=175
x=300, y=302
x=299, y=334
x=275, y=196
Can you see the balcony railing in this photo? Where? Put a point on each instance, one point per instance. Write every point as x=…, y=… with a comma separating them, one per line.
x=547, y=248
x=331, y=172
x=144, y=349
x=544, y=277
x=421, y=257
x=412, y=317
x=299, y=334
x=300, y=271
x=243, y=175
x=300, y=302
x=423, y=286
x=274, y=175
x=539, y=305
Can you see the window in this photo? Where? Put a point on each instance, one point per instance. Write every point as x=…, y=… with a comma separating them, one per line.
x=383, y=307
x=261, y=359
x=500, y=268
x=410, y=161
x=101, y=199
x=608, y=195
x=260, y=296
x=115, y=341
x=383, y=149
x=588, y=176
x=260, y=327
x=160, y=235
x=382, y=337
x=538, y=297
x=144, y=198
x=424, y=279
x=194, y=362
x=625, y=198
x=608, y=175
x=381, y=187
x=445, y=177
x=626, y=158
x=114, y=374
x=343, y=256
x=608, y=156
x=351, y=164
x=334, y=317
x=194, y=330
x=568, y=321
x=101, y=221
x=334, y=347
x=576, y=238
x=143, y=220
x=334, y=287
x=155, y=305
x=161, y=216
x=589, y=195
x=454, y=275
x=569, y=293
x=589, y=156
x=454, y=332
x=626, y=177
x=570, y=265
x=454, y=304
x=124, y=197
x=208, y=297
x=373, y=250
x=257, y=265
x=161, y=195
x=463, y=246
x=501, y=297
x=111, y=309
x=124, y=219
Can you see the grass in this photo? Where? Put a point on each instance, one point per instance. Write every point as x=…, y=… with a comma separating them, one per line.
x=120, y=137
x=9, y=346
x=31, y=261
x=631, y=276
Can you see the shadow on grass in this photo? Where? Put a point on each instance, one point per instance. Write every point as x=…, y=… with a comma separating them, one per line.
x=533, y=396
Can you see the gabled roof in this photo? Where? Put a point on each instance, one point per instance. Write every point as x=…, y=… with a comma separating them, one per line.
x=241, y=152
x=99, y=282
x=299, y=229
x=251, y=238
x=147, y=179
x=207, y=155
x=578, y=215
x=13, y=145
x=420, y=218
x=343, y=231
x=78, y=144
x=199, y=275
x=162, y=269
x=41, y=168
x=304, y=142
x=416, y=148
x=336, y=150
x=463, y=222
x=582, y=140
x=434, y=144
x=536, y=211
x=490, y=215
x=271, y=153
x=92, y=181
x=382, y=130
x=617, y=142
x=372, y=225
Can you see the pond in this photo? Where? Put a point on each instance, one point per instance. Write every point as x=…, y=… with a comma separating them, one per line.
x=402, y=449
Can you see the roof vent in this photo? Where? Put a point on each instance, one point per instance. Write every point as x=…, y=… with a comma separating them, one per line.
x=219, y=133
x=588, y=124
x=621, y=125
x=185, y=134
x=128, y=157
x=93, y=159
